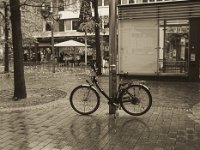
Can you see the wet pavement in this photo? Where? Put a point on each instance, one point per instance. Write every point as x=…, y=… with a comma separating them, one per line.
x=173, y=122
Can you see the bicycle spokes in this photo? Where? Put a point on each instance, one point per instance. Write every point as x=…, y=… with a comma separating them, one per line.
x=136, y=100
x=84, y=100
x=87, y=104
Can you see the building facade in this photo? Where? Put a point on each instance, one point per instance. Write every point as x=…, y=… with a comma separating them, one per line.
x=67, y=26
x=172, y=43
x=160, y=39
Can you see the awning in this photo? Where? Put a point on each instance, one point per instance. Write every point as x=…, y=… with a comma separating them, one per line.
x=172, y=10
x=70, y=33
x=44, y=45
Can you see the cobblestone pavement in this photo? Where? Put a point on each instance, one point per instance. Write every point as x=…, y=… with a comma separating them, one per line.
x=173, y=122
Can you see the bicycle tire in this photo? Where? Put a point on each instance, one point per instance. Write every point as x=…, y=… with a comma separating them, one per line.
x=84, y=97
x=136, y=100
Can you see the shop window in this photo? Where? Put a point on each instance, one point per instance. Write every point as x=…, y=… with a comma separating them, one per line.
x=174, y=36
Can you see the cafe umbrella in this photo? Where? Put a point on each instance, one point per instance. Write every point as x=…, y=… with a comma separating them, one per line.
x=74, y=45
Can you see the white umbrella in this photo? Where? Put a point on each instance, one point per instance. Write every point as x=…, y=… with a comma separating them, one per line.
x=70, y=43
x=74, y=44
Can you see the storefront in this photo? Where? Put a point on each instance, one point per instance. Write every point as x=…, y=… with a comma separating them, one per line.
x=160, y=39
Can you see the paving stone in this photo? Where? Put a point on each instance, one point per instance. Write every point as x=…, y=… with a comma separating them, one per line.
x=55, y=125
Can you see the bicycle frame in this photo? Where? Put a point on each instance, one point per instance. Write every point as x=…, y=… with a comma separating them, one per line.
x=96, y=83
x=119, y=89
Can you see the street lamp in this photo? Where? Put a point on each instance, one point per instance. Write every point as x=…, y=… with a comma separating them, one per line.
x=47, y=14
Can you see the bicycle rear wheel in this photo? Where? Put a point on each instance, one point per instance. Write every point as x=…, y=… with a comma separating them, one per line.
x=84, y=100
x=136, y=100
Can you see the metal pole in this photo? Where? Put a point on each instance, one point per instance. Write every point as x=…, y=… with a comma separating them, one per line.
x=36, y=54
x=112, y=53
x=164, y=48
x=86, y=48
x=52, y=45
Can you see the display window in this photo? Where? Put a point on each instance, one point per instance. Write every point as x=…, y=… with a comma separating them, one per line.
x=173, y=53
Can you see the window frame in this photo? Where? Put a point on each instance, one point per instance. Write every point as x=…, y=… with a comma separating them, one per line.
x=75, y=20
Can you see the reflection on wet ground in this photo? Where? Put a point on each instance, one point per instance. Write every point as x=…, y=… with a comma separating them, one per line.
x=175, y=94
x=168, y=94
x=166, y=126
x=90, y=132
x=61, y=128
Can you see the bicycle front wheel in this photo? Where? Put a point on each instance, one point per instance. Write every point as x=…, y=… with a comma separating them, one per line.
x=84, y=100
x=136, y=100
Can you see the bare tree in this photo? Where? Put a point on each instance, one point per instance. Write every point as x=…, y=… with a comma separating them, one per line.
x=97, y=36
x=4, y=18
x=19, y=81
x=31, y=22
x=91, y=24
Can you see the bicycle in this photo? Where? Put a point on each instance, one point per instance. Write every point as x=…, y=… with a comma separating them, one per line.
x=134, y=98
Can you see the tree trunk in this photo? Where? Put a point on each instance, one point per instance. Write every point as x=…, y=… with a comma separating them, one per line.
x=6, y=56
x=97, y=37
x=19, y=81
